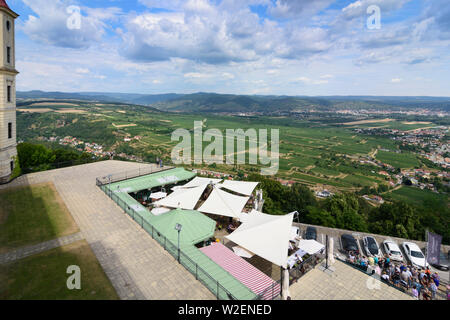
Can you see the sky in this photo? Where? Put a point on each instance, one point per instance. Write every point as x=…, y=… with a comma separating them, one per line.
x=276, y=47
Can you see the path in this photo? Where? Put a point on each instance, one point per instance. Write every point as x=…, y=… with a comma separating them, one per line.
x=38, y=248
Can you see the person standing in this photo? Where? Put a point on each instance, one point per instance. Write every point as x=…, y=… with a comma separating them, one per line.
x=433, y=289
x=415, y=292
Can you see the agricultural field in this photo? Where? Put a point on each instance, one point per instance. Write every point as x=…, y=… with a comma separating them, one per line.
x=416, y=196
x=313, y=153
x=398, y=160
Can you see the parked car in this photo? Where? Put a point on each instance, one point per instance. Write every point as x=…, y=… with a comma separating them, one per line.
x=311, y=233
x=349, y=243
x=444, y=263
x=371, y=246
x=414, y=254
x=392, y=249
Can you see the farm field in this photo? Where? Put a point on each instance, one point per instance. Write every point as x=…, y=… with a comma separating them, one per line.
x=398, y=160
x=417, y=196
x=310, y=152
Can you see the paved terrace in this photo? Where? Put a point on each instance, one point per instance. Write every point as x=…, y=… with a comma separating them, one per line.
x=138, y=267
x=346, y=283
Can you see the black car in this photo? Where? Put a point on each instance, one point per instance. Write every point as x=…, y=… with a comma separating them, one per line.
x=311, y=233
x=349, y=243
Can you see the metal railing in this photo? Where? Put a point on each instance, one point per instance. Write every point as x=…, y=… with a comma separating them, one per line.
x=112, y=178
x=306, y=265
x=200, y=274
x=272, y=292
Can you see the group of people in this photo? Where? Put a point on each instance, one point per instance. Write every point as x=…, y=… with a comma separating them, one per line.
x=421, y=283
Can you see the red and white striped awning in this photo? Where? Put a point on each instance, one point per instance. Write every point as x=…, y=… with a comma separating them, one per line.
x=251, y=277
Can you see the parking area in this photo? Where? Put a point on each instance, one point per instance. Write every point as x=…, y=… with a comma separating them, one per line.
x=336, y=234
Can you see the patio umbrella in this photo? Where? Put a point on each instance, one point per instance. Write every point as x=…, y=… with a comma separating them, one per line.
x=242, y=252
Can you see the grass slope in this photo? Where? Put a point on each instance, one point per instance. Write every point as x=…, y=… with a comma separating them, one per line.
x=31, y=215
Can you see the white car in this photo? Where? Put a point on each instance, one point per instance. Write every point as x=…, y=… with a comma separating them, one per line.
x=392, y=249
x=414, y=254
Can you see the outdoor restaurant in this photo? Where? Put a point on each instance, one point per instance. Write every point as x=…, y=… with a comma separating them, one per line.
x=217, y=230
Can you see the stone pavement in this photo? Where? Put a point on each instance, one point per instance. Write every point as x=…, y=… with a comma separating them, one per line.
x=345, y=283
x=38, y=248
x=138, y=267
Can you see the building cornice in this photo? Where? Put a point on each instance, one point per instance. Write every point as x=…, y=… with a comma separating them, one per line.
x=10, y=12
x=9, y=71
x=14, y=146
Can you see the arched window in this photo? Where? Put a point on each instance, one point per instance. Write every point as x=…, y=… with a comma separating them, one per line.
x=8, y=25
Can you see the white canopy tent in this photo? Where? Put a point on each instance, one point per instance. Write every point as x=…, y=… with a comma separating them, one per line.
x=184, y=198
x=310, y=246
x=196, y=182
x=266, y=236
x=222, y=203
x=243, y=187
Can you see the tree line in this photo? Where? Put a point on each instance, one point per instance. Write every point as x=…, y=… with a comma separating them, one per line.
x=351, y=212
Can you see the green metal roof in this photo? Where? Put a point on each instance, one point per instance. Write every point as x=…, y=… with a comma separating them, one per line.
x=196, y=226
x=153, y=180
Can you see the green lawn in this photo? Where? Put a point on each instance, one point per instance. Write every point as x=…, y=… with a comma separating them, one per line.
x=31, y=215
x=43, y=276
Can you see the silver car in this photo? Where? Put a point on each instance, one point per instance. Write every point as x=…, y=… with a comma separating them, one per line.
x=371, y=246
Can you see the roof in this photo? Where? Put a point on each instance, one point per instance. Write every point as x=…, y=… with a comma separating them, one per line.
x=3, y=4
x=242, y=187
x=222, y=203
x=266, y=236
x=197, y=181
x=153, y=180
x=196, y=227
x=183, y=198
x=310, y=246
x=250, y=276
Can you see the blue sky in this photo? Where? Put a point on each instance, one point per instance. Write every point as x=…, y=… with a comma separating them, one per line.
x=285, y=47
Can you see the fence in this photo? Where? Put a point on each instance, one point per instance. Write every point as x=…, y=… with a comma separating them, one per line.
x=112, y=178
x=305, y=266
x=201, y=275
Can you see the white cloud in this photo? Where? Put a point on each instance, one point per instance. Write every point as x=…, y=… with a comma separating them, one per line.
x=396, y=80
x=49, y=24
x=82, y=70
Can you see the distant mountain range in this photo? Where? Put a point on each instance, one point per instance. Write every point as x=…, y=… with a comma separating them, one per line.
x=227, y=103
